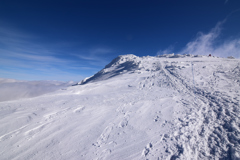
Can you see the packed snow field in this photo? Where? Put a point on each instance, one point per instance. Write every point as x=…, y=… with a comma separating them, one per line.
x=165, y=107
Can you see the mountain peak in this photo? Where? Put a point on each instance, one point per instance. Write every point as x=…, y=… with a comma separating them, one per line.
x=122, y=59
x=117, y=66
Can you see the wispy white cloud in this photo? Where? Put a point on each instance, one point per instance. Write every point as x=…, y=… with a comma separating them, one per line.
x=19, y=46
x=203, y=44
x=168, y=50
x=22, y=55
x=226, y=1
x=21, y=52
x=228, y=48
x=12, y=59
x=210, y=43
x=95, y=56
x=31, y=57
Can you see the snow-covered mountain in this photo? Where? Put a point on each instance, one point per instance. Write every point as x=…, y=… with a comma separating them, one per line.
x=164, y=107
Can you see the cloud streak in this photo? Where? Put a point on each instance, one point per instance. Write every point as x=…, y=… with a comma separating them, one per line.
x=23, y=57
x=95, y=56
x=11, y=89
x=203, y=44
x=211, y=43
x=168, y=50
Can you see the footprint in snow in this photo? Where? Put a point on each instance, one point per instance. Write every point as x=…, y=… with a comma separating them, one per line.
x=147, y=149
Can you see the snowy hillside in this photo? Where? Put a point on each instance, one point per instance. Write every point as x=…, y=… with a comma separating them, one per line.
x=135, y=108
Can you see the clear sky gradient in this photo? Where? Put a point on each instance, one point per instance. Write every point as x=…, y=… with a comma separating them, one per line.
x=72, y=39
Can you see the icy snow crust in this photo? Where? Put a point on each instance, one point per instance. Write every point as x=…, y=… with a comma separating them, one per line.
x=135, y=108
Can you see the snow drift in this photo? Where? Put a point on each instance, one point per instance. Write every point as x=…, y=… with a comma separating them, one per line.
x=134, y=108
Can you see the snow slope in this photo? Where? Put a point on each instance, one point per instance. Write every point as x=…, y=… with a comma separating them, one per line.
x=135, y=108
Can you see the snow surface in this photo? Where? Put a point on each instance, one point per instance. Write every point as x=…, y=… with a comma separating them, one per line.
x=135, y=108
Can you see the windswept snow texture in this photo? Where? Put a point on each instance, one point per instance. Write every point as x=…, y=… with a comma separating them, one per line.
x=135, y=108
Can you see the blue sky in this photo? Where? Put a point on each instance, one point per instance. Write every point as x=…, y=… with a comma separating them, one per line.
x=72, y=39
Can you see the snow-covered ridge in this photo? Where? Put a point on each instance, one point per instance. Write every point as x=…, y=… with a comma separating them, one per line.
x=179, y=56
x=131, y=63
x=119, y=65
